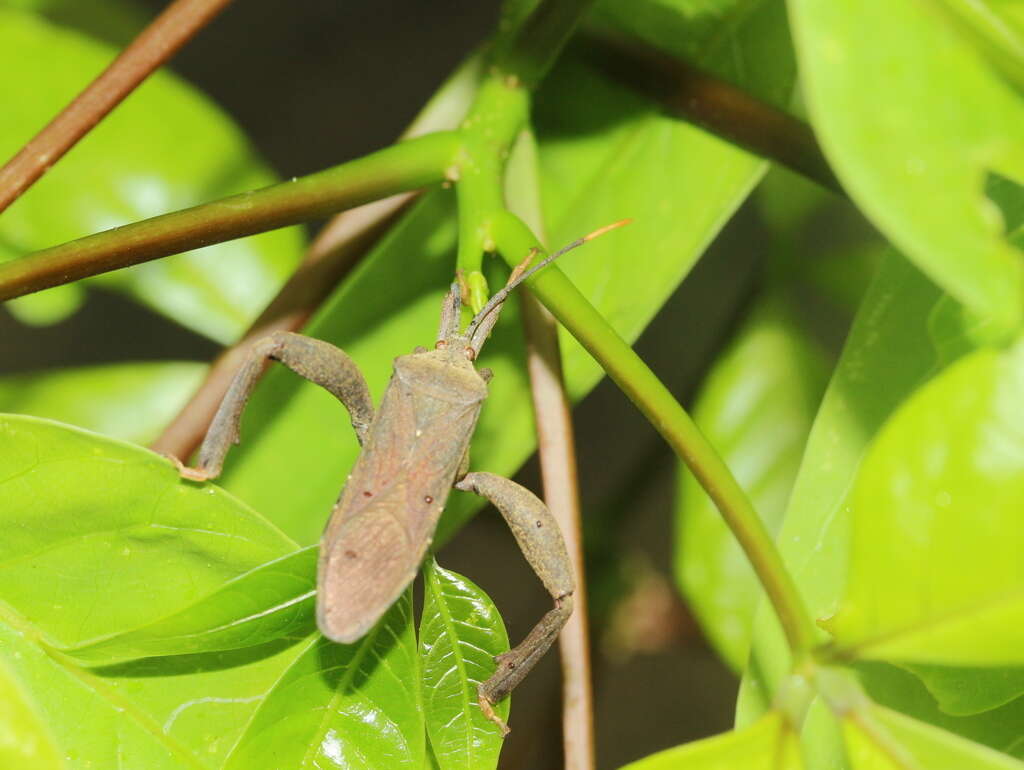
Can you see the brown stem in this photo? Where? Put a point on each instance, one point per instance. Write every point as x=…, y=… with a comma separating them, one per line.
x=331, y=256
x=556, y=447
x=561, y=494
x=717, y=106
x=157, y=43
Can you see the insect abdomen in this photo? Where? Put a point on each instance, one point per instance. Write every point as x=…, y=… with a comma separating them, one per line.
x=385, y=519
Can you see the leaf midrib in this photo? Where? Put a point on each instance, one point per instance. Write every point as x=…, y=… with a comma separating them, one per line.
x=448, y=622
x=227, y=585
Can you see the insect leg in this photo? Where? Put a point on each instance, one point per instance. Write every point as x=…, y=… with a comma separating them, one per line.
x=316, y=360
x=537, y=533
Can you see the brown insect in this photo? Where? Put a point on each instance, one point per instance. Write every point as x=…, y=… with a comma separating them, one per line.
x=415, y=449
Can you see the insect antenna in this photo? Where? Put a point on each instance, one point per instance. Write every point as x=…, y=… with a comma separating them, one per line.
x=484, y=321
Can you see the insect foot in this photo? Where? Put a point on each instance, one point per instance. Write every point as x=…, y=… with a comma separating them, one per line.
x=187, y=472
x=540, y=539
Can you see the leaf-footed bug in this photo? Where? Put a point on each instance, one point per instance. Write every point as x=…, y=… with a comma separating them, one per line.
x=415, y=448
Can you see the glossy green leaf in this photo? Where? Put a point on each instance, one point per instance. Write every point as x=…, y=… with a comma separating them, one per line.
x=604, y=154
x=963, y=691
x=869, y=71
x=120, y=538
x=768, y=744
x=101, y=537
x=25, y=742
x=158, y=714
x=354, y=706
x=127, y=546
x=756, y=407
x=273, y=601
x=942, y=486
x=892, y=348
x=127, y=401
x=887, y=740
x=460, y=634
x=165, y=148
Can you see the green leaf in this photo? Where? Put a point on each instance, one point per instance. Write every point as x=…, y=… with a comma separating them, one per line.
x=127, y=547
x=113, y=21
x=895, y=688
x=180, y=151
x=460, y=634
x=887, y=740
x=964, y=691
x=101, y=537
x=745, y=43
x=756, y=407
x=25, y=742
x=122, y=540
x=127, y=401
x=868, y=71
x=892, y=348
x=941, y=486
x=604, y=154
x=161, y=713
x=273, y=601
x=355, y=706
x=768, y=744
x=997, y=28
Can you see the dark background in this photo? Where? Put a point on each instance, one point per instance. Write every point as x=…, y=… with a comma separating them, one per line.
x=317, y=82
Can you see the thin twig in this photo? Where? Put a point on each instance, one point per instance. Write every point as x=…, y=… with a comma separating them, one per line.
x=157, y=43
x=556, y=447
x=561, y=493
x=717, y=106
x=338, y=248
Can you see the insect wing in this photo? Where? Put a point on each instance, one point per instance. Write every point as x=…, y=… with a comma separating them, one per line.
x=382, y=525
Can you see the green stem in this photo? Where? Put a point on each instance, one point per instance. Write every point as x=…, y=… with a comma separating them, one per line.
x=528, y=42
x=645, y=390
x=402, y=167
x=529, y=48
x=488, y=132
